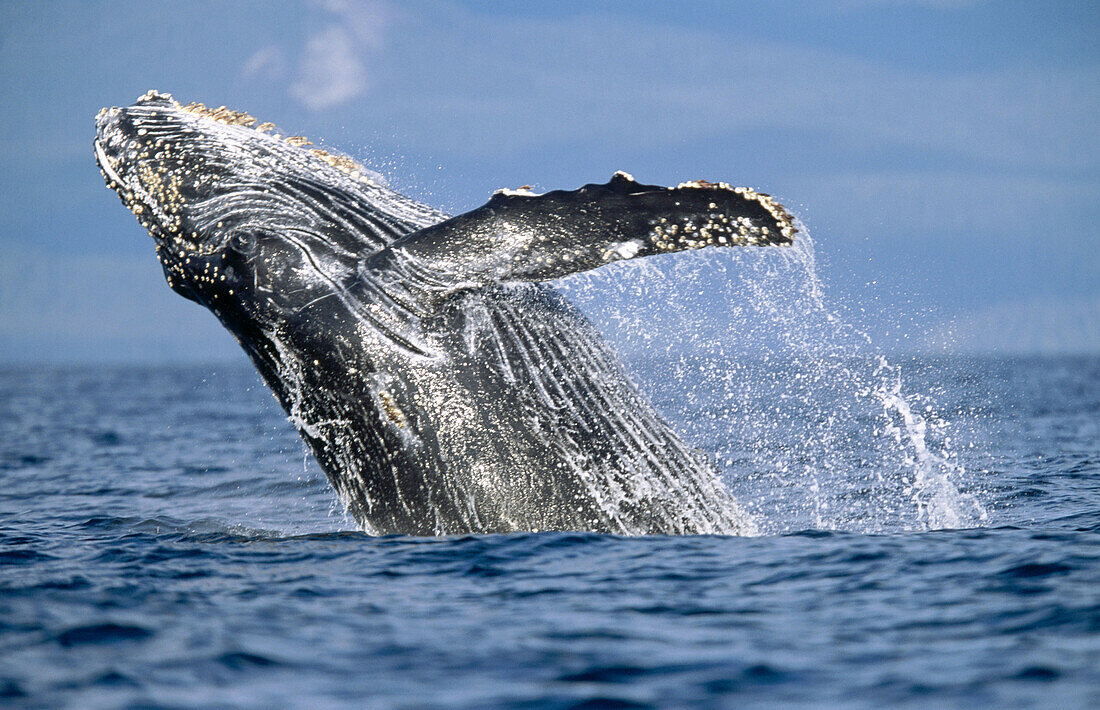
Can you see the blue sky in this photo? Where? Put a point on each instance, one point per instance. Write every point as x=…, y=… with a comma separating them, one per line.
x=943, y=152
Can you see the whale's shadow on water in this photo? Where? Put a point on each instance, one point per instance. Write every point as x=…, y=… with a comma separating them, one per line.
x=441, y=385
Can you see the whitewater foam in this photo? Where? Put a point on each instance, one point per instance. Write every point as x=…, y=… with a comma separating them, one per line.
x=810, y=422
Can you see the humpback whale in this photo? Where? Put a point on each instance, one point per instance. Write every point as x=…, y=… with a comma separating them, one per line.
x=443, y=385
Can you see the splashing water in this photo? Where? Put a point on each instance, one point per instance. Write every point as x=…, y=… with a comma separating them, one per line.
x=809, y=422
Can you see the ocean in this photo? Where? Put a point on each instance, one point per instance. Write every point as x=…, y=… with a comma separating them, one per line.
x=165, y=542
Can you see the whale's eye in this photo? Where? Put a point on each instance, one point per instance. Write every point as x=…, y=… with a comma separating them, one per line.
x=245, y=241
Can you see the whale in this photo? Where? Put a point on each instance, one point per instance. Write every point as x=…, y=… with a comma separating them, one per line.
x=441, y=381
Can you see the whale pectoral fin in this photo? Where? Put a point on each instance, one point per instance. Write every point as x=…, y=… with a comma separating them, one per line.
x=522, y=236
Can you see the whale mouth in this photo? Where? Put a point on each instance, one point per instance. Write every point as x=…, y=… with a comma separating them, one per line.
x=105, y=164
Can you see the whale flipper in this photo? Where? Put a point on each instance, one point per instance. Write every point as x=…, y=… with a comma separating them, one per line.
x=523, y=236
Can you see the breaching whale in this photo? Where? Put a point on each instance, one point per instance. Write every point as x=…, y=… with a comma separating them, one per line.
x=440, y=383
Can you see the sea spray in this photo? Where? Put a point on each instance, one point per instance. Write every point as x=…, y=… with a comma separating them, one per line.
x=811, y=424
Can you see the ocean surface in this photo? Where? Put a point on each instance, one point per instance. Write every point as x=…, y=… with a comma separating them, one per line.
x=165, y=542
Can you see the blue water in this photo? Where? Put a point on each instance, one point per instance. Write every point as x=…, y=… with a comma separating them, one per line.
x=165, y=543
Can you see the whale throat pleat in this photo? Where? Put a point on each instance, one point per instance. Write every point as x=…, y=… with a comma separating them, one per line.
x=635, y=473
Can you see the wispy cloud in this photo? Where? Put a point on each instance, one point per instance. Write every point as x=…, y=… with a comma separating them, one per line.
x=267, y=63
x=333, y=69
x=331, y=72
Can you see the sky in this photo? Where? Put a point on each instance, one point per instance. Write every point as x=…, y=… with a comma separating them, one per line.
x=944, y=153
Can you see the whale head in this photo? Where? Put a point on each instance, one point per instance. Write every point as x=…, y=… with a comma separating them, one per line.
x=241, y=216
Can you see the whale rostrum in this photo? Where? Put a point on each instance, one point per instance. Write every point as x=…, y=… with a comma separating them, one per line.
x=441, y=383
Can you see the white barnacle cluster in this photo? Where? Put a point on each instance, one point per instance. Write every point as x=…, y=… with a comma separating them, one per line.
x=522, y=191
x=621, y=250
x=718, y=228
x=715, y=228
x=782, y=218
x=157, y=170
x=390, y=408
x=161, y=168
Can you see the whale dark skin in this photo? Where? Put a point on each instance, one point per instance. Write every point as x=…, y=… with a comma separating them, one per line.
x=441, y=384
